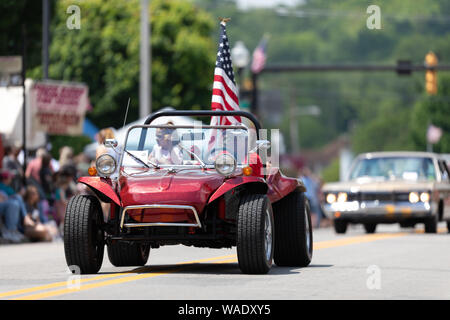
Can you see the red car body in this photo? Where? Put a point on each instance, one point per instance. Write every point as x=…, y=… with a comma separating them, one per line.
x=198, y=206
x=194, y=187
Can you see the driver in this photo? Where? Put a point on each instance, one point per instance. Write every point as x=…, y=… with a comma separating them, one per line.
x=166, y=151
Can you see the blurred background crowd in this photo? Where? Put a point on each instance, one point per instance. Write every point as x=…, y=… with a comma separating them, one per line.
x=33, y=198
x=33, y=201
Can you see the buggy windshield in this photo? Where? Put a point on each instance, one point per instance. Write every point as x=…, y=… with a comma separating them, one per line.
x=172, y=146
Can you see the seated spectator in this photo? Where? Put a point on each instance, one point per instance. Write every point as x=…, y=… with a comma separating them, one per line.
x=12, y=164
x=36, y=226
x=5, y=187
x=10, y=219
x=65, y=189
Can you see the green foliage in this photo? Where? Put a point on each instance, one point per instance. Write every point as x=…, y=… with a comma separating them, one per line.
x=376, y=108
x=77, y=143
x=22, y=19
x=104, y=54
x=331, y=173
x=433, y=110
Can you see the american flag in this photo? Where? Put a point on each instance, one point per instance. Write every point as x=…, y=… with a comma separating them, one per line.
x=225, y=91
x=433, y=134
x=259, y=56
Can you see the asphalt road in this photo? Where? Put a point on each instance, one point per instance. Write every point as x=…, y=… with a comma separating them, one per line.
x=394, y=263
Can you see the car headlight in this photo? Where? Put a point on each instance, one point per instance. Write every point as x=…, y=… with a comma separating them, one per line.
x=331, y=198
x=413, y=197
x=106, y=165
x=425, y=197
x=342, y=197
x=225, y=164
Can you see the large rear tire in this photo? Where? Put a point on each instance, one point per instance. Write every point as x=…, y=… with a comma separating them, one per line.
x=123, y=254
x=294, y=242
x=255, y=234
x=84, y=241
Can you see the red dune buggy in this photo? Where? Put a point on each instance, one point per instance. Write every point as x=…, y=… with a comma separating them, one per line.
x=202, y=186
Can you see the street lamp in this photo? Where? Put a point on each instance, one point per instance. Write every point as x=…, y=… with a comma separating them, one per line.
x=240, y=57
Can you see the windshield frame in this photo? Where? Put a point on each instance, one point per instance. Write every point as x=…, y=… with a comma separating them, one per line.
x=208, y=166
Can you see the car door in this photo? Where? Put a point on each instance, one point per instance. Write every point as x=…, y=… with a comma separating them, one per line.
x=444, y=188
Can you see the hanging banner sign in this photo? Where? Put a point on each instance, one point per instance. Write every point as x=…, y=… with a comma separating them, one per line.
x=58, y=107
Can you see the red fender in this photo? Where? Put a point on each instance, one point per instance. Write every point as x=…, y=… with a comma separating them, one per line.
x=101, y=186
x=234, y=182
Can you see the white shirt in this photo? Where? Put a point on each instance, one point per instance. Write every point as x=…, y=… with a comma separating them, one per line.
x=165, y=156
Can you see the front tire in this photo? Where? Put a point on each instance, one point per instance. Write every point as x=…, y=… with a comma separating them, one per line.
x=370, y=227
x=255, y=234
x=122, y=254
x=294, y=243
x=83, y=236
x=340, y=226
x=431, y=224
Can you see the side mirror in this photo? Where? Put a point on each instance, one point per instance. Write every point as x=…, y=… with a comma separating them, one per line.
x=110, y=143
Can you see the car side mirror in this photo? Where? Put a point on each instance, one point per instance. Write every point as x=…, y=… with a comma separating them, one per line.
x=110, y=143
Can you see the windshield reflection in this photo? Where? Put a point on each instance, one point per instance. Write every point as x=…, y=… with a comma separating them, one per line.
x=394, y=168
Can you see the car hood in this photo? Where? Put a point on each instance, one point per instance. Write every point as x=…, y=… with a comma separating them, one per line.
x=378, y=186
x=185, y=187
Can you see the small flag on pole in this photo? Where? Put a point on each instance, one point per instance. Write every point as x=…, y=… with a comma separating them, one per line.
x=433, y=134
x=259, y=56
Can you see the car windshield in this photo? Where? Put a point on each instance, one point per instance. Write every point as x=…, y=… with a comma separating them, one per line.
x=394, y=168
x=172, y=146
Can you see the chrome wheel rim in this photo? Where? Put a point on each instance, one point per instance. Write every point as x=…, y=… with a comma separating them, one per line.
x=268, y=236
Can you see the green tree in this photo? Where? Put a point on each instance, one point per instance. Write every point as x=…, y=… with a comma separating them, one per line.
x=19, y=19
x=104, y=54
x=433, y=110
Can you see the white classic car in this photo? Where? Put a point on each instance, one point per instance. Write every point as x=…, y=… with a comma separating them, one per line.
x=391, y=187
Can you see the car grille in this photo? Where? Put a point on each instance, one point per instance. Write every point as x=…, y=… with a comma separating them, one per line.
x=380, y=196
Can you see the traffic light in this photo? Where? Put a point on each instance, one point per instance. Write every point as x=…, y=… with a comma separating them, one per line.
x=431, y=62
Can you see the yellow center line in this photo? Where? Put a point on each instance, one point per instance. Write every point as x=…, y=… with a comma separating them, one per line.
x=354, y=240
x=120, y=278
x=101, y=277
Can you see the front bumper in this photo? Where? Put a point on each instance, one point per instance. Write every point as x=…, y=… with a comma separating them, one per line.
x=378, y=211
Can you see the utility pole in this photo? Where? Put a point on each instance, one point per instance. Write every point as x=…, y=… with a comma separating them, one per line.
x=145, y=87
x=45, y=37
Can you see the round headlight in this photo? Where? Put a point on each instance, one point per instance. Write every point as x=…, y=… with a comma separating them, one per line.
x=342, y=197
x=331, y=198
x=225, y=164
x=425, y=197
x=105, y=164
x=413, y=197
